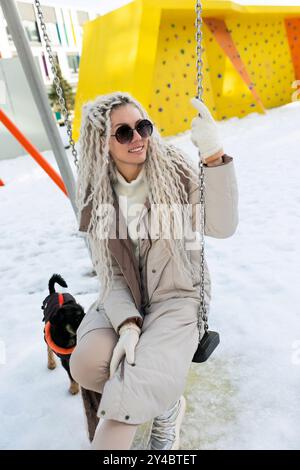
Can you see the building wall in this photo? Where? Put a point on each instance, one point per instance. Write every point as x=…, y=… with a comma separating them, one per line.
x=19, y=106
x=64, y=28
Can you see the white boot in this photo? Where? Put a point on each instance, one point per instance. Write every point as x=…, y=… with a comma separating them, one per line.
x=165, y=430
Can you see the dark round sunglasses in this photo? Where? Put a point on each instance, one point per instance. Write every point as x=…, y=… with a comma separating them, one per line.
x=124, y=134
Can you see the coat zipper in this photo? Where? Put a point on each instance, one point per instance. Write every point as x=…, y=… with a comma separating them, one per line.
x=129, y=253
x=146, y=268
x=146, y=277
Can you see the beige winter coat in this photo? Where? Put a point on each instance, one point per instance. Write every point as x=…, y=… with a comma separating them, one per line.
x=163, y=300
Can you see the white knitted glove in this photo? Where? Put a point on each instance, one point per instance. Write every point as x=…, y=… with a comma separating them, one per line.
x=204, y=133
x=129, y=337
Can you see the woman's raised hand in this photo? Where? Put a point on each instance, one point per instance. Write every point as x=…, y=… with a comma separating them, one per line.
x=204, y=132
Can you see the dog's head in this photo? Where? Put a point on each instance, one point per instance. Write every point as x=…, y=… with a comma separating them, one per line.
x=67, y=318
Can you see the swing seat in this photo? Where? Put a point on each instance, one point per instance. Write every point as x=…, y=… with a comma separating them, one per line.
x=207, y=345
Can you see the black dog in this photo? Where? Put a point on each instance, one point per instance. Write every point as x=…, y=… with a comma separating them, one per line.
x=62, y=317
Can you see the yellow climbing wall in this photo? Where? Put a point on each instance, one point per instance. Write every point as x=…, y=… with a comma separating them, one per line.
x=174, y=79
x=232, y=96
x=148, y=49
x=263, y=47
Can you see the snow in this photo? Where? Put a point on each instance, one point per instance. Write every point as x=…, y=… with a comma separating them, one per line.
x=247, y=395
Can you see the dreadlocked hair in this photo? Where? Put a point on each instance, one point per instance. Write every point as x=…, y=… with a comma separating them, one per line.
x=97, y=174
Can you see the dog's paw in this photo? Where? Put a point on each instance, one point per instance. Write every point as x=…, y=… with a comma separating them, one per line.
x=74, y=388
x=51, y=365
x=51, y=361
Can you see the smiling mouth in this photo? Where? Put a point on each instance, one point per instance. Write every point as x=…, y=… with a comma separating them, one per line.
x=136, y=149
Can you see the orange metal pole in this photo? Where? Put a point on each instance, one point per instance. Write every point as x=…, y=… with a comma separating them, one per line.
x=32, y=151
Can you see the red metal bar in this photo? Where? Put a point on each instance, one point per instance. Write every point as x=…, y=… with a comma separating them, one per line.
x=32, y=151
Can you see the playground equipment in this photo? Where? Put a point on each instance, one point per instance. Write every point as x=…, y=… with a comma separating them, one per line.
x=39, y=95
x=210, y=340
x=32, y=150
x=250, y=58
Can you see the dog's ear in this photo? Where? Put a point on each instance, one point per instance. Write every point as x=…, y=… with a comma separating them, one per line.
x=73, y=308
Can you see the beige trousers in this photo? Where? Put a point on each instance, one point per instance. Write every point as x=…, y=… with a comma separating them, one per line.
x=89, y=366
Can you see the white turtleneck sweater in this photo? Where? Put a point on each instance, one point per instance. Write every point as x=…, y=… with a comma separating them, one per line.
x=132, y=193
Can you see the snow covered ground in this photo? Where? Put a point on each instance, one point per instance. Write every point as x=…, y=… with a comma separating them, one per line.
x=247, y=395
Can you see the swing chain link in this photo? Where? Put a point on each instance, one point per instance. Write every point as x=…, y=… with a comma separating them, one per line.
x=57, y=81
x=202, y=313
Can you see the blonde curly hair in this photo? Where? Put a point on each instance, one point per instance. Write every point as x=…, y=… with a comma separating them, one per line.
x=96, y=176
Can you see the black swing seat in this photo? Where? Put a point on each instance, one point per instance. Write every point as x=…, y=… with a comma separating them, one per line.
x=207, y=345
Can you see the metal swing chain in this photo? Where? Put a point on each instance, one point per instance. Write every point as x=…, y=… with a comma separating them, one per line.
x=57, y=81
x=202, y=313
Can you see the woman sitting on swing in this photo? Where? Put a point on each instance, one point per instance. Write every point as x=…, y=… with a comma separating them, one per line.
x=137, y=340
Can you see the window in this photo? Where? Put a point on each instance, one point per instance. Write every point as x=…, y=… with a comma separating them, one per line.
x=53, y=33
x=51, y=25
x=28, y=18
x=73, y=61
x=32, y=31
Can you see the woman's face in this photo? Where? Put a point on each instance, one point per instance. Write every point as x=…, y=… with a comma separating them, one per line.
x=122, y=154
